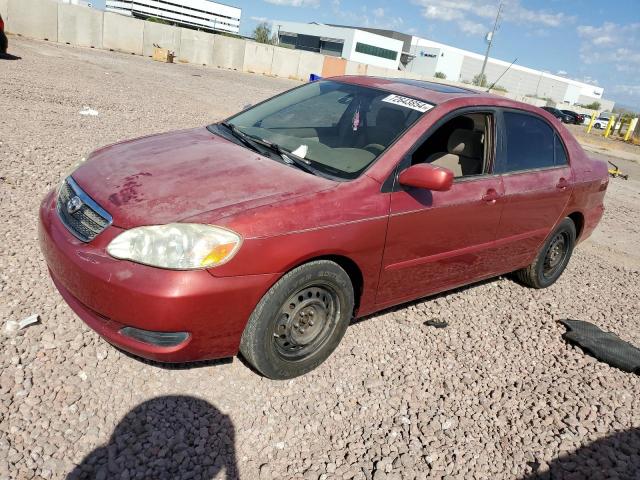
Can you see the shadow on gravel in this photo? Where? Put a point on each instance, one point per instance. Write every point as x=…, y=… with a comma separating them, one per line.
x=616, y=456
x=8, y=56
x=177, y=366
x=168, y=437
x=428, y=298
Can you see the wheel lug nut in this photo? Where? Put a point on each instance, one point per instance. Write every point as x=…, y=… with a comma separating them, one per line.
x=311, y=323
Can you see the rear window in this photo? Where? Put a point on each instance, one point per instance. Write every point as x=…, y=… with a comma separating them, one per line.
x=530, y=143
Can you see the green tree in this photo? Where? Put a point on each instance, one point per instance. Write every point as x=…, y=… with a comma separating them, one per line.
x=440, y=75
x=480, y=80
x=262, y=33
x=158, y=20
x=593, y=106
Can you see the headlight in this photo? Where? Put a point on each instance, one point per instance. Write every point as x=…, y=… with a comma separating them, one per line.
x=177, y=246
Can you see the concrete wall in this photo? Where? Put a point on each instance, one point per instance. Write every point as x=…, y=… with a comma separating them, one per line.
x=4, y=9
x=228, y=52
x=309, y=63
x=33, y=18
x=196, y=47
x=122, y=33
x=355, y=68
x=285, y=63
x=165, y=36
x=80, y=26
x=333, y=66
x=258, y=58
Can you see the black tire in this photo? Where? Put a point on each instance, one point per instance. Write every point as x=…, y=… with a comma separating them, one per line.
x=300, y=321
x=552, y=258
x=4, y=43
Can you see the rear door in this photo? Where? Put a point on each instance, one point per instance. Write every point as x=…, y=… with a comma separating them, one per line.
x=537, y=183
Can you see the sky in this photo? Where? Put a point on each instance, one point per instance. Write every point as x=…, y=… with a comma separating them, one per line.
x=593, y=41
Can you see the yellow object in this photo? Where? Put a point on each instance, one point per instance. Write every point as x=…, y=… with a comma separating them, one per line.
x=614, y=171
x=632, y=127
x=610, y=125
x=218, y=254
x=593, y=120
x=162, y=55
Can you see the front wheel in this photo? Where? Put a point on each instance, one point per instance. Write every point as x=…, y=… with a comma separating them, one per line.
x=300, y=321
x=552, y=258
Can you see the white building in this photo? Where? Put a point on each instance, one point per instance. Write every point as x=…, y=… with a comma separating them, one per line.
x=429, y=57
x=353, y=44
x=426, y=57
x=200, y=14
x=82, y=3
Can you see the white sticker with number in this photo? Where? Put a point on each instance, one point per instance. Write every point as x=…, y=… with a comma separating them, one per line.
x=408, y=102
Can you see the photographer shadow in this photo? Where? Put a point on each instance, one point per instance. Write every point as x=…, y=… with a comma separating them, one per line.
x=168, y=437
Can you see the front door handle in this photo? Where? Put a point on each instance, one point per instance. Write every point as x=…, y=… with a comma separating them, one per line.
x=491, y=196
x=562, y=184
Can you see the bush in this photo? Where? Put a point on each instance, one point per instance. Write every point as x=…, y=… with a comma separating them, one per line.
x=480, y=80
x=499, y=88
x=440, y=75
x=593, y=106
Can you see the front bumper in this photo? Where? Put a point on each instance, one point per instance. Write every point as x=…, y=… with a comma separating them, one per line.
x=109, y=294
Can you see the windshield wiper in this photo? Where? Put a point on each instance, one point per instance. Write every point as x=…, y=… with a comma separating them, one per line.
x=288, y=157
x=243, y=137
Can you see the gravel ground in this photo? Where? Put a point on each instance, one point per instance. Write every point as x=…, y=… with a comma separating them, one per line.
x=496, y=394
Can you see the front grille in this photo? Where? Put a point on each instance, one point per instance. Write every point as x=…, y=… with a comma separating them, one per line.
x=83, y=217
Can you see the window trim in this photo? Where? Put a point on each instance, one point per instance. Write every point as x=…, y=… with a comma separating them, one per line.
x=391, y=184
x=502, y=153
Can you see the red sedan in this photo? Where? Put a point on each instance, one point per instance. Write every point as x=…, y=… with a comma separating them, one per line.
x=268, y=232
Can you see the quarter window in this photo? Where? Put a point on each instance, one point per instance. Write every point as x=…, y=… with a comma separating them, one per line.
x=560, y=154
x=529, y=142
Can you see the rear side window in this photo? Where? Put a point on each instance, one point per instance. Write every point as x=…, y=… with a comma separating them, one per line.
x=560, y=154
x=530, y=143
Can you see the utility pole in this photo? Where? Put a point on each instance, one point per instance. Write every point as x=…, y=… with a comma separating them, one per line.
x=490, y=41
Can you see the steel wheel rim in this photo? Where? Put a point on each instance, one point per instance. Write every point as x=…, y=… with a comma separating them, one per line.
x=556, y=254
x=306, y=321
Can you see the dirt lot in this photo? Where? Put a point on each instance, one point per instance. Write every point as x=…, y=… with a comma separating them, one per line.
x=496, y=394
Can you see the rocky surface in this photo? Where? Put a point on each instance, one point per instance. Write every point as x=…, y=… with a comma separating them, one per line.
x=496, y=394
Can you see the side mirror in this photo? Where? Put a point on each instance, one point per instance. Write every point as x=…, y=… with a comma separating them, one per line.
x=427, y=176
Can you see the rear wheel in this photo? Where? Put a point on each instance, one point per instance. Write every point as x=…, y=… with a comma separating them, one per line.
x=552, y=258
x=300, y=321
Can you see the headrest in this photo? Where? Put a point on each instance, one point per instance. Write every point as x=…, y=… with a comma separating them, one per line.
x=390, y=117
x=465, y=143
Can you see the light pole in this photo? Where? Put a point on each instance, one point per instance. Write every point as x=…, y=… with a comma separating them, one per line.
x=490, y=41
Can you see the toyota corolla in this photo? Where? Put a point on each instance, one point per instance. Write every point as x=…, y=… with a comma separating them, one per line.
x=266, y=233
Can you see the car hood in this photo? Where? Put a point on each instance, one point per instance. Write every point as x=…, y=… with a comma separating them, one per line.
x=173, y=176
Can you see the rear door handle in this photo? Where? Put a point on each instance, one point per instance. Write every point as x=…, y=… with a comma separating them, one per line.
x=562, y=184
x=491, y=196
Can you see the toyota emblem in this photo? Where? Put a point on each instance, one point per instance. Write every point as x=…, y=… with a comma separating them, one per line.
x=74, y=204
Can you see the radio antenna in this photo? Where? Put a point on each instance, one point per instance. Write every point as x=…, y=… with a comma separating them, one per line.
x=498, y=79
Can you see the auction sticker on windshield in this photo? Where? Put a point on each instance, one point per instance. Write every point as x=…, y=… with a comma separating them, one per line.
x=408, y=102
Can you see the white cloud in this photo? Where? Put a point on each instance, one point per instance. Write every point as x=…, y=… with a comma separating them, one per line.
x=295, y=3
x=377, y=18
x=260, y=19
x=629, y=91
x=378, y=12
x=611, y=44
x=474, y=16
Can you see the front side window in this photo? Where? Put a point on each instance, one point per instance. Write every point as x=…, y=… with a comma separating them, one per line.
x=339, y=128
x=462, y=145
x=529, y=143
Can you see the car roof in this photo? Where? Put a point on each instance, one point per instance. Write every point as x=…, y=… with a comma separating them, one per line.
x=431, y=92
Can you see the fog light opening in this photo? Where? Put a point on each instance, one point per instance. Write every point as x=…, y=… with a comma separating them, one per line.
x=160, y=339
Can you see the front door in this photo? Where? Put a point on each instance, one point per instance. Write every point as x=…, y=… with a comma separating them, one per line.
x=438, y=240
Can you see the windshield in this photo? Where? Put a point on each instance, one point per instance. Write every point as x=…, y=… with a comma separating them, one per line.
x=338, y=128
